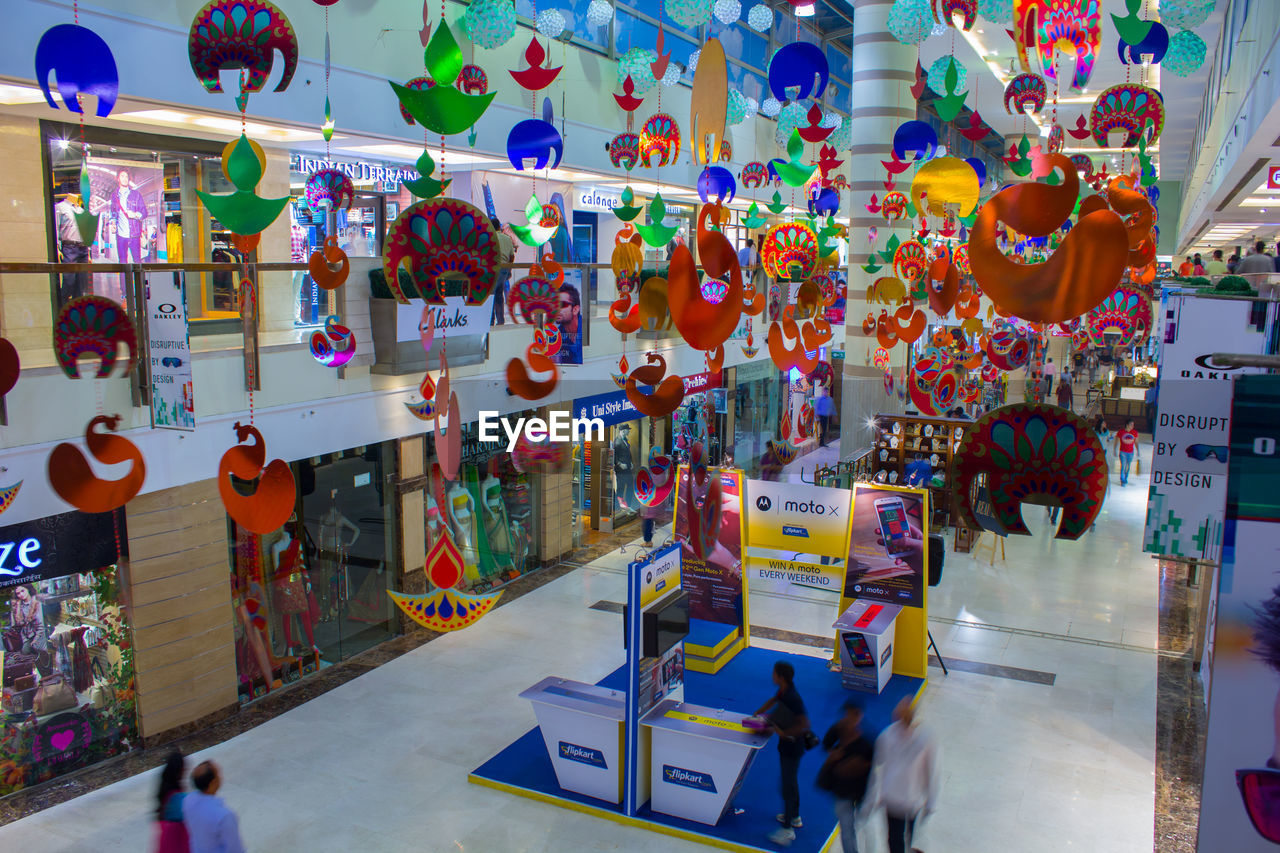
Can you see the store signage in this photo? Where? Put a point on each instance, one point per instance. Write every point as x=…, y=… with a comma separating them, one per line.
x=582, y=754
x=702, y=381
x=359, y=171
x=169, y=349
x=66, y=544
x=1193, y=422
x=787, y=516
x=613, y=408
x=597, y=198
x=455, y=318
x=659, y=576
x=62, y=740
x=688, y=778
x=1273, y=177
x=762, y=368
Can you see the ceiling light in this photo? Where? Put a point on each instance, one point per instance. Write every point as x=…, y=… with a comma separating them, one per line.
x=11, y=93
x=805, y=11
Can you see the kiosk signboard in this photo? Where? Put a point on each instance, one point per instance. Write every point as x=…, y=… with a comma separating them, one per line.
x=887, y=545
x=714, y=583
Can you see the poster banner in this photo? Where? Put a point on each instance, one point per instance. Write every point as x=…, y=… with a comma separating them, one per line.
x=169, y=350
x=714, y=584
x=888, y=545
x=659, y=576
x=1189, y=458
x=797, y=517
x=779, y=574
x=572, y=318
x=455, y=318
x=128, y=196
x=1240, y=793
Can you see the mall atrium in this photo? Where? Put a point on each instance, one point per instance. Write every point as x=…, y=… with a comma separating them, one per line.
x=527, y=426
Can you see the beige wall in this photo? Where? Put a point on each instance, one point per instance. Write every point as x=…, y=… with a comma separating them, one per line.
x=26, y=315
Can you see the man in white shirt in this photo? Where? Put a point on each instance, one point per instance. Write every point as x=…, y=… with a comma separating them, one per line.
x=905, y=775
x=211, y=825
x=1049, y=370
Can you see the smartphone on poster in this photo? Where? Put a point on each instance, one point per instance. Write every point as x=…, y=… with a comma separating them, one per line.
x=859, y=651
x=892, y=515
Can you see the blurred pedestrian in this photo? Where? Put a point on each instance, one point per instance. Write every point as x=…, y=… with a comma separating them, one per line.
x=171, y=832
x=788, y=717
x=905, y=776
x=846, y=770
x=211, y=825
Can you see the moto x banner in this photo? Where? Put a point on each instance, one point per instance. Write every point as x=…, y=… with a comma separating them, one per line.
x=797, y=517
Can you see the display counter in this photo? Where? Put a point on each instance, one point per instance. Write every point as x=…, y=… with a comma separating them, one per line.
x=865, y=640
x=698, y=758
x=582, y=728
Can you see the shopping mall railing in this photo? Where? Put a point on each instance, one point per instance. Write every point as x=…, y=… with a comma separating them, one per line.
x=846, y=472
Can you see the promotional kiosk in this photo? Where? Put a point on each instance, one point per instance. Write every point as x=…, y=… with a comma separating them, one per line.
x=865, y=645
x=581, y=725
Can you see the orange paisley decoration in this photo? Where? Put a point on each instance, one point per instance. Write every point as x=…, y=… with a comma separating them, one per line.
x=74, y=481
x=667, y=393
x=272, y=502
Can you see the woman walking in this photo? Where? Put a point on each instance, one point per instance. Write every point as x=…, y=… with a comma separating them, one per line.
x=171, y=832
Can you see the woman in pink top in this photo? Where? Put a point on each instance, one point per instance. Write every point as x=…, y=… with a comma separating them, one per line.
x=1126, y=443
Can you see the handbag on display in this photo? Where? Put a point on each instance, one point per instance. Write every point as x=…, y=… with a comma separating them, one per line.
x=17, y=665
x=54, y=694
x=12, y=640
x=100, y=696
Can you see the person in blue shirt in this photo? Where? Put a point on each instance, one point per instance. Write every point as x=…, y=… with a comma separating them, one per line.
x=211, y=825
x=918, y=471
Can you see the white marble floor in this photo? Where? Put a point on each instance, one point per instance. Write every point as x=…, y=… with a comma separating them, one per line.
x=380, y=764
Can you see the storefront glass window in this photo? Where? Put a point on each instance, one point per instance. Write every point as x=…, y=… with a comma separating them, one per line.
x=68, y=687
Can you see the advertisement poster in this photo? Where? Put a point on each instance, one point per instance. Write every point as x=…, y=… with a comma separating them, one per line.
x=714, y=584
x=887, y=545
x=172, y=402
x=455, y=318
x=571, y=319
x=128, y=196
x=1189, y=457
x=797, y=517
x=1240, y=799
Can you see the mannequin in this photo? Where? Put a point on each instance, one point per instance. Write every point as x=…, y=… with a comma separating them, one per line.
x=291, y=587
x=435, y=522
x=495, y=520
x=337, y=535
x=624, y=468
x=462, y=509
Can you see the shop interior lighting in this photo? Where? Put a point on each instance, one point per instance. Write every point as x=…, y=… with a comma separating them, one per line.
x=806, y=11
x=13, y=93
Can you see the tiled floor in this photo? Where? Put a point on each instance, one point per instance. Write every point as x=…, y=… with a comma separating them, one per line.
x=380, y=763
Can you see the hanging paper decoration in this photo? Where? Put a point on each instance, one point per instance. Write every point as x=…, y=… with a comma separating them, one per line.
x=73, y=479
x=550, y=22
x=894, y=206
x=83, y=65
x=916, y=138
x=329, y=265
x=445, y=608
x=1023, y=91
x=536, y=138
x=667, y=392
x=533, y=300
x=736, y=108
x=1125, y=311
x=440, y=238
x=8, y=494
x=660, y=136
x=425, y=186
x=241, y=34
x=793, y=172
x=798, y=71
x=727, y=11
x=658, y=233
x=910, y=261
x=910, y=21
x=1085, y=267
x=1073, y=27
x=997, y=11
x=1136, y=109
x=1185, y=55
x=490, y=23
x=704, y=325
x=599, y=13
x=243, y=211
x=946, y=181
x=760, y=18
x=708, y=104
x=628, y=100
x=472, y=80
x=790, y=251
x=624, y=150
x=689, y=13
x=770, y=107
x=716, y=182
x=417, y=84
x=945, y=11
x=656, y=481
x=92, y=325
x=335, y=346
x=1186, y=14
x=637, y=64
x=933, y=382
x=938, y=74
x=443, y=108
x=330, y=188
x=1154, y=44
x=1036, y=454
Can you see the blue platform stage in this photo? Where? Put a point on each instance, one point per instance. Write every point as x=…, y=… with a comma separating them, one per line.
x=523, y=768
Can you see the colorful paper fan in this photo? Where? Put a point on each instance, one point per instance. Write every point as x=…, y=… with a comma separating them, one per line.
x=910, y=261
x=1070, y=27
x=894, y=206
x=783, y=451
x=330, y=188
x=624, y=150
x=472, y=80
x=790, y=251
x=443, y=237
x=83, y=65
x=8, y=495
x=241, y=34
x=1025, y=90
x=945, y=11
x=490, y=23
x=659, y=136
x=335, y=346
x=1031, y=453
x=753, y=175
x=533, y=299
x=1125, y=311
x=93, y=325
x=1138, y=110
x=880, y=358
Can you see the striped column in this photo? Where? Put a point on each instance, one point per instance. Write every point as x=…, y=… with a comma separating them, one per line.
x=883, y=72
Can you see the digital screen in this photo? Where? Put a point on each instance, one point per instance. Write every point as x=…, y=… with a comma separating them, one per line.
x=672, y=623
